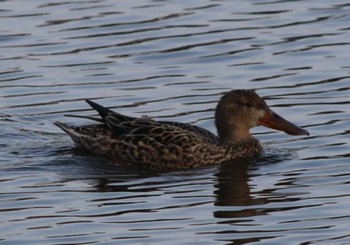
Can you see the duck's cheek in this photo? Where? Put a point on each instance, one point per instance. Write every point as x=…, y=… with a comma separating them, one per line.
x=254, y=119
x=259, y=114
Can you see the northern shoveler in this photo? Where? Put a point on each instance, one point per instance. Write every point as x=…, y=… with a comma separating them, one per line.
x=174, y=145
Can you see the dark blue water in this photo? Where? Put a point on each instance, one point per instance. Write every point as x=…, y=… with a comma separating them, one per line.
x=173, y=60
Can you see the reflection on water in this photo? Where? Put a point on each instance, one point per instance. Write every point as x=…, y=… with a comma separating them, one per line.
x=173, y=60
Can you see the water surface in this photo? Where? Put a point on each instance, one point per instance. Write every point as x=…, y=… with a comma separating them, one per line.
x=173, y=60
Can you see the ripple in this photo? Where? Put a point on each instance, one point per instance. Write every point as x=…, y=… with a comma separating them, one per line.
x=173, y=61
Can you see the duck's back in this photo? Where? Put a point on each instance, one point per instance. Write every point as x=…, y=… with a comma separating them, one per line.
x=149, y=143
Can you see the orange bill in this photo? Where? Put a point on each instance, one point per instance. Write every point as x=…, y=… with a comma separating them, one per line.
x=275, y=121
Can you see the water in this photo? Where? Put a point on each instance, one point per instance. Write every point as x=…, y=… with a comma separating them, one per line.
x=173, y=60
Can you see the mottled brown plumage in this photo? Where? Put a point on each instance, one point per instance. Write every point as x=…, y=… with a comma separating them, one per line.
x=173, y=145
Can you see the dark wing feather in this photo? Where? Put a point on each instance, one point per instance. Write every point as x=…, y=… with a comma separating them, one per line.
x=104, y=112
x=115, y=121
x=121, y=125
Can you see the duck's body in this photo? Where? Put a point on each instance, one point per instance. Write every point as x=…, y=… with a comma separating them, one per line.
x=173, y=145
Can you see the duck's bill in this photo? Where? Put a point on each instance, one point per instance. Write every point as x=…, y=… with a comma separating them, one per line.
x=275, y=121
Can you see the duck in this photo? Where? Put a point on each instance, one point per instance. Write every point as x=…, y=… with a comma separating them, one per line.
x=169, y=145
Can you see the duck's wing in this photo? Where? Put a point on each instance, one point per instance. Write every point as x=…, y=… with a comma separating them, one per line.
x=118, y=123
x=201, y=132
x=122, y=125
x=105, y=112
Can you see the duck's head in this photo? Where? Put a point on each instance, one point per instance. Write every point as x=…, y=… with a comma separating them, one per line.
x=240, y=110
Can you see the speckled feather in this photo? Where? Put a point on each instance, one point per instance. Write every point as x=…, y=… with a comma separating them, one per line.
x=174, y=145
x=155, y=144
x=158, y=145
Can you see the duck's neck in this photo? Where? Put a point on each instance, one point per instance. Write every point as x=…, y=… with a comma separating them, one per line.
x=237, y=138
x=231, y=133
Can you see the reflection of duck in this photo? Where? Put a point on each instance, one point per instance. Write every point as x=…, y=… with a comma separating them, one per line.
x=174, y=145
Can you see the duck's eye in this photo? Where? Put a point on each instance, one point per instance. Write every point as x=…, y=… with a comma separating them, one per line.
x=245, y=104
